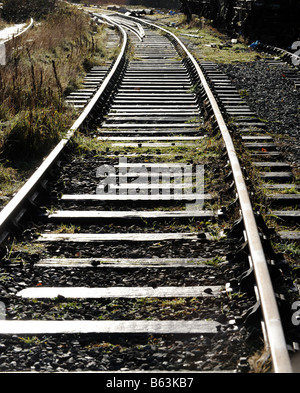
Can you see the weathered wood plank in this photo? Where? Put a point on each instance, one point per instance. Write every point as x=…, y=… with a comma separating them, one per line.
x=139, y=197
x=119, y=292
x=109, y=327
x=127, y=215
x=126, y=262
x=129, y=237
x=285, y=214
x=289, y=235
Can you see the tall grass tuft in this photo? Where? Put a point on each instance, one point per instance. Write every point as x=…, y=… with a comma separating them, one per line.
x=43, y=67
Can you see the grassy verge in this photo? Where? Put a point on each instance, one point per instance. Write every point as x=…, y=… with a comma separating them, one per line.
x=43, y=66
x=208, y=44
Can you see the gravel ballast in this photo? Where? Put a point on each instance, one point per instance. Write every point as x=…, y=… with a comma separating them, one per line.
x=271, y=94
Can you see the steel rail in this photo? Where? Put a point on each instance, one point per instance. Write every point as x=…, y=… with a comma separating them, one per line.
x=277, y=345
x=273, y=326
x=138, y=30
x=12, y=212
x=293, y=59
x=20, y=33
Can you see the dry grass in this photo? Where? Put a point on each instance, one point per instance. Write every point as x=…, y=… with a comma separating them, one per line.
x=42, y=67
x=210, y=44
x=260, y=362
x=4, y=24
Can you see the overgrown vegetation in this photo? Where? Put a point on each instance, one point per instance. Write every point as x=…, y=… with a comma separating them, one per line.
x=209, y=43
x=20, y=10
x=41, y=68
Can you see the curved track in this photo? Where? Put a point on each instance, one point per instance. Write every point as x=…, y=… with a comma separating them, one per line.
x=138, y=227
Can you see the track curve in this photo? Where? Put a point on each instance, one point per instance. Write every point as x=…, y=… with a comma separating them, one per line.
x=122, y=215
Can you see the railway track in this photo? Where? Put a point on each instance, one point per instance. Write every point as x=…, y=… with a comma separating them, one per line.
x=131, y=259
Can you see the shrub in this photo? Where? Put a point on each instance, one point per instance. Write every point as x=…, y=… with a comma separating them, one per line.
x=32, y=133
x=41, y=69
